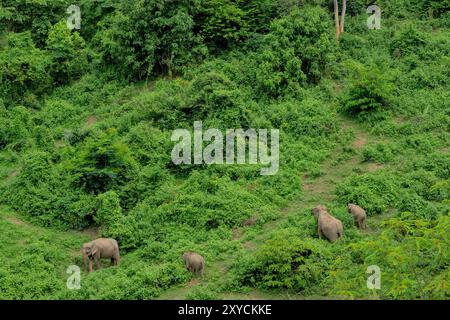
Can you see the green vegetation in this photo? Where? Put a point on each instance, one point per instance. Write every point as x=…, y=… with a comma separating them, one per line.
x=86, y=118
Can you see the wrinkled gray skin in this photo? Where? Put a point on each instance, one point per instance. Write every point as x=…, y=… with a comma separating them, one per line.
x=359, y=214
x=100, y=249
x=249, y=222
x=194, y=262
x=327, y=225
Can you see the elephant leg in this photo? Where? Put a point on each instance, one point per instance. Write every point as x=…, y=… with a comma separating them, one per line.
x=97, y=263
x=85, y=263
x=90, y=265
x=319, y=232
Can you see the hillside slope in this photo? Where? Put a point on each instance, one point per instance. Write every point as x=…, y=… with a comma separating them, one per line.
x=86, y=118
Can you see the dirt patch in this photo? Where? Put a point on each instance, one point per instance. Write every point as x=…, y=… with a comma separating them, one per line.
x=308, y=186
x=13, y=174
x=360, y=142
x=91, y=120
x=236, y=233
x=249, y=245
x=371, y=167
x=193, y=282
x=15, y=221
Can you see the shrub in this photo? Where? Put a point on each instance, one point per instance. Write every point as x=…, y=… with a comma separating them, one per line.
x=221, y=23
x=67, y=53
x=368, y=93
x=285, y=262
x=104, y=163
x=108, y=209
x=411, y=256
x=24, y=69
x=14, y=126
x=375, y=192
x=407, y=41
x=142, y=39
x=380, y=152
x=296, y=51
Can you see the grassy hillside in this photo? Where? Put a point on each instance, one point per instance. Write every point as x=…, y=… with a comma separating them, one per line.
x=86, y=118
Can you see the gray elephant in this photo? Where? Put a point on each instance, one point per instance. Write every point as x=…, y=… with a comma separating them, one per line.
x=327, y=225
x=194, y=262
x=359, y=214
x=100, y=249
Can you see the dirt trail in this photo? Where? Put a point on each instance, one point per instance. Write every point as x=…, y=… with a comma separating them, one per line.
x=15, y=221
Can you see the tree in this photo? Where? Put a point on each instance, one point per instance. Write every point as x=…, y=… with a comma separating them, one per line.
x=144, y=38
x=67, y=53
x=339, y=22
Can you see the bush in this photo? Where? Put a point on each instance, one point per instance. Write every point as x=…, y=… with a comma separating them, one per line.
x=142, y=39
x=24, y=70
x=35, y=16
x=380, y=152
x=285, y=262
x=297, y=51
x=411, y=256
x=67, y=53
x=108, y=210
x=105, y=163
x=221, y=23
x=407, y=41
x=368, y=93
x=214, y=96
x=14, y=126
x=375, y=192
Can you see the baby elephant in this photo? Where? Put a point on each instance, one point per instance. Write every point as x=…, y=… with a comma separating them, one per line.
x=194, y=262
x=359, y=214
x=327, y=225
x=98, y=249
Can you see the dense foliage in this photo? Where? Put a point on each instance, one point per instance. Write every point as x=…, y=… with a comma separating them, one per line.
x=86, y=118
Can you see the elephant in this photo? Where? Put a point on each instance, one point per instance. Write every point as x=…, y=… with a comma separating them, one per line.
x=316, y=209
x=359, y=214
x=194, y=262
x=327, y=225
x=98, y=249
x=249, y=222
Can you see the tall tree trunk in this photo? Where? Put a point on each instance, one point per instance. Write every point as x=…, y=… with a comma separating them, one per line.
x=344, y=8
x=336, y=18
